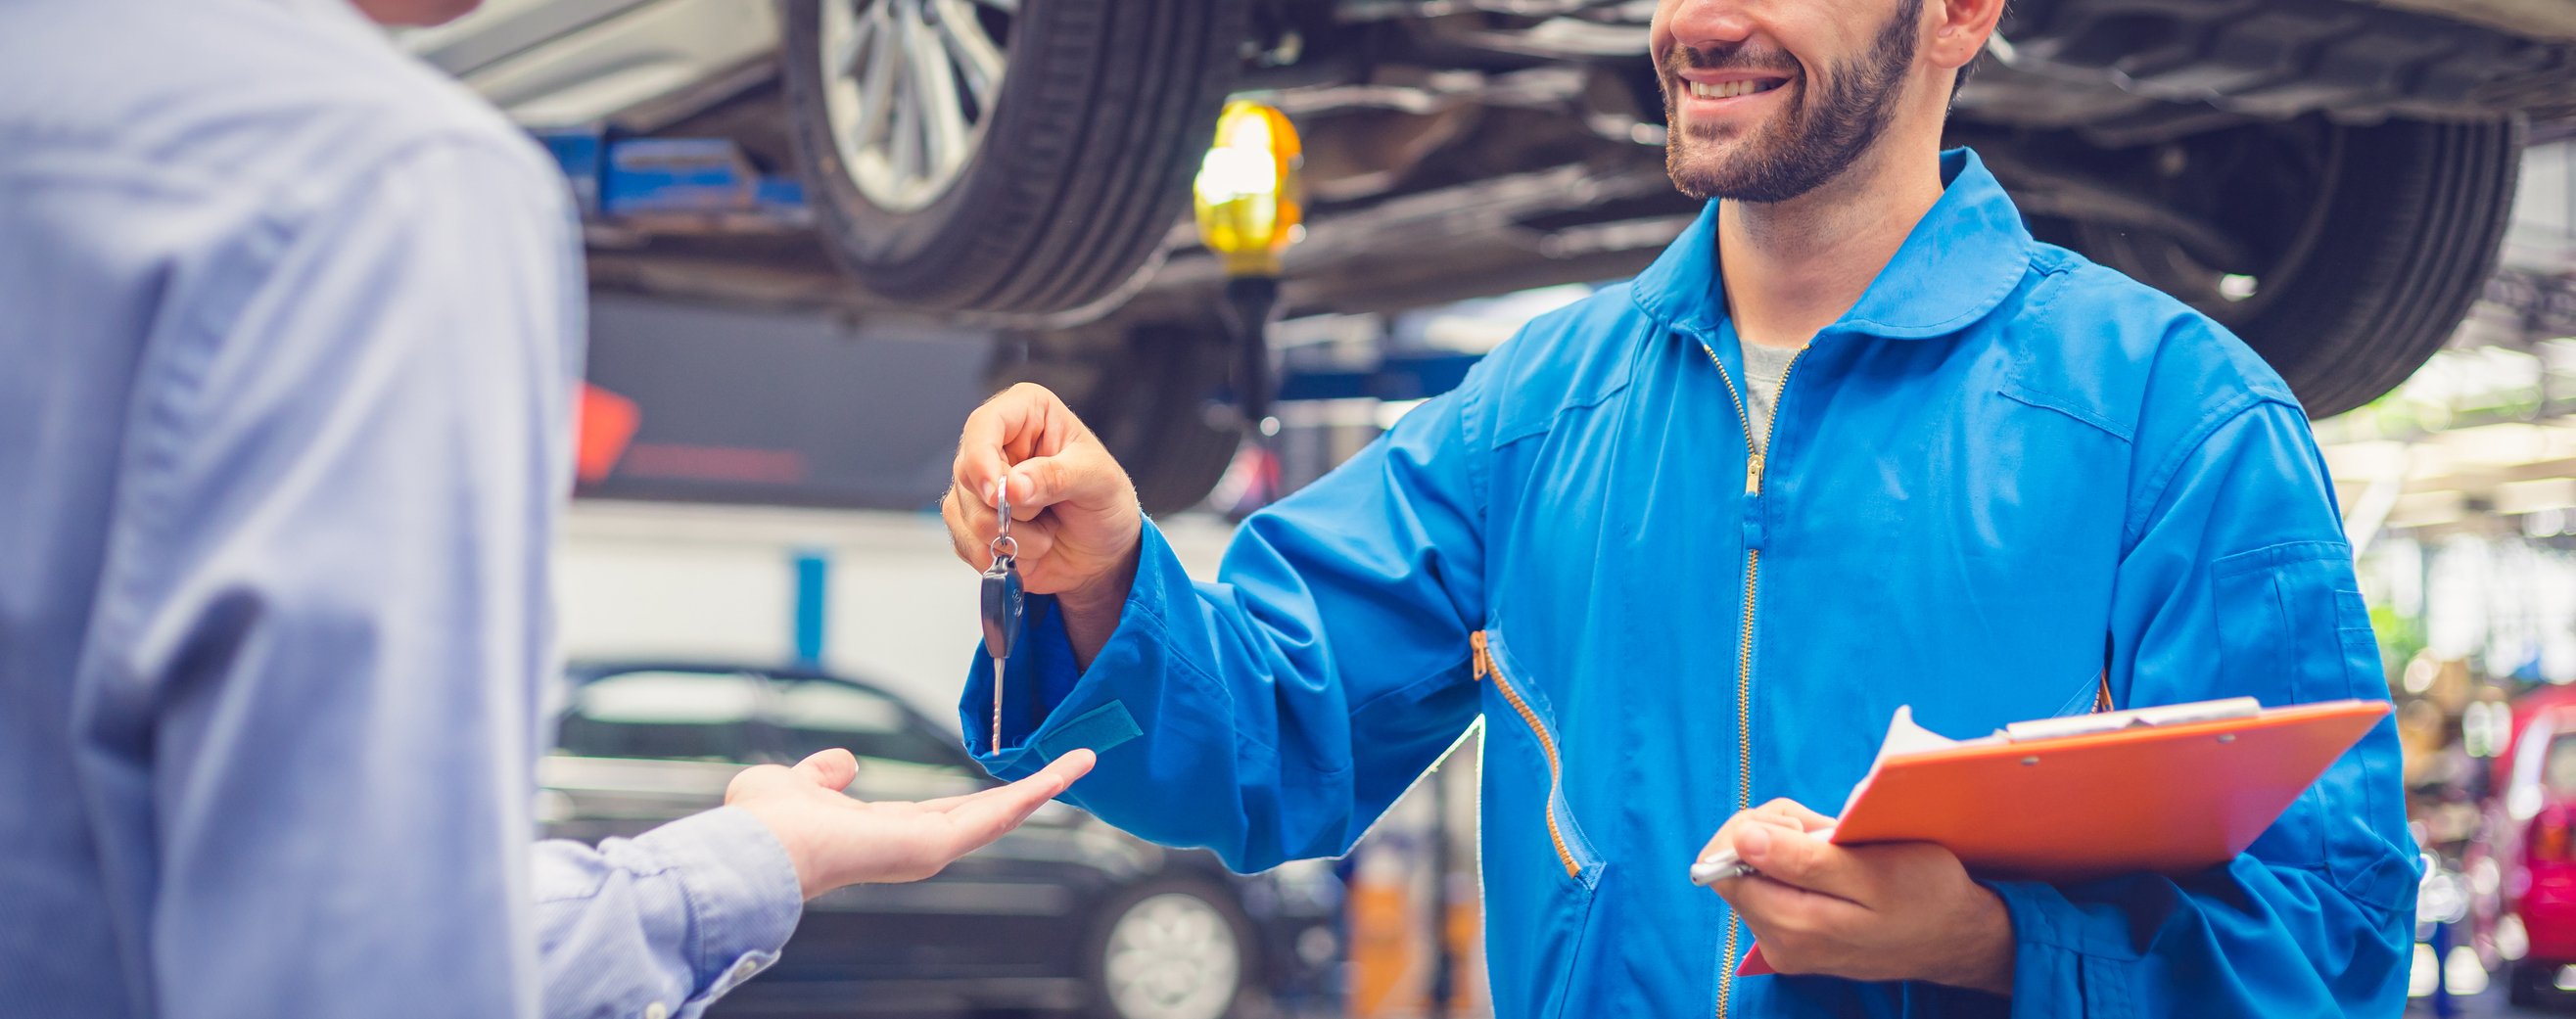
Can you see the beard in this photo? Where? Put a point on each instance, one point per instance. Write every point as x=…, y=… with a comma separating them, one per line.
x=1823, y=129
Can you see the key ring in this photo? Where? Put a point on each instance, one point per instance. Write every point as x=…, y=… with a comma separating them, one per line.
x=1003, y=546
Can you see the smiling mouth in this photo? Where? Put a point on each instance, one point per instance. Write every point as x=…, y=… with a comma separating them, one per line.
x=1732, y=89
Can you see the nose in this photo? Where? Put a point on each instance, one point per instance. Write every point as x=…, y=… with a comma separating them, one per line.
x=1700, y=24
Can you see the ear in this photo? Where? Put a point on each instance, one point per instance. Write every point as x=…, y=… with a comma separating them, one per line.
x=1959, y=31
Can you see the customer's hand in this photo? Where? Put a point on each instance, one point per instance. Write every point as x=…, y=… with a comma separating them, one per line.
x=1073, y=510
x=1898, y=911
x=836, y=840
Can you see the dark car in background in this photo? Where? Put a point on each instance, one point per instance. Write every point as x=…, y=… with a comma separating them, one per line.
x=1066, y=914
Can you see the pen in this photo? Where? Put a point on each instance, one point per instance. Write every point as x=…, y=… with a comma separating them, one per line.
x=1724, y=864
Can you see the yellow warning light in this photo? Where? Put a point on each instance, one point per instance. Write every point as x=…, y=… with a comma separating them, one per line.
x=1245, y=195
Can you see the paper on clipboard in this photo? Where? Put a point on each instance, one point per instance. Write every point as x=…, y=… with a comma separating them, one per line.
x=1906, y=737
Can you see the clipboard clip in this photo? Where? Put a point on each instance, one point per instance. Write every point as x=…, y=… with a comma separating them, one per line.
x=2114, y=721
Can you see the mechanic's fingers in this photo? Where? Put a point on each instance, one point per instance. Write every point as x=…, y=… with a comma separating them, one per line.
x=1802, y=860
x=1775, y=906
x=988, y=815
x=970, y=535
x=1070, y=476
x=1035, y=538
x=1736, y=825
x=1022, y=421
x=970, y=528
x=1807, y=820
x=980, y=463
x=832, y=769
x=985, y=443
x=1795, y=927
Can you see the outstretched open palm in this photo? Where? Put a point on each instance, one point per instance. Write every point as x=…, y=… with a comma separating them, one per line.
x=838, y=840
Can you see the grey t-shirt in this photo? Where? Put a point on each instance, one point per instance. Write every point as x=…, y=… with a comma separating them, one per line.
x=1763, y=368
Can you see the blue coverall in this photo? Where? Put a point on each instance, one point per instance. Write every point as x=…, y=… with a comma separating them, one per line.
x=2000, y=459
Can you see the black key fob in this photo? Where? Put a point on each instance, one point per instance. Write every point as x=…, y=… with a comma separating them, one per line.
x=1002, y=602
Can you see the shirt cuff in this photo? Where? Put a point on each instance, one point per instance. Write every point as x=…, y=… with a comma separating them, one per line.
x=742, y=892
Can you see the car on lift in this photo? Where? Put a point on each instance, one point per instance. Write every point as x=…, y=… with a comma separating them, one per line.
x=2329, y=178
x=1065, y=914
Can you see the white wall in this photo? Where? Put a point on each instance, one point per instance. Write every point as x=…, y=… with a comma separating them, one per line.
x=707, y=582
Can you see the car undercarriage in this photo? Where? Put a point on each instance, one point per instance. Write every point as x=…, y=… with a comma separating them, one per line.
x=2329, y=178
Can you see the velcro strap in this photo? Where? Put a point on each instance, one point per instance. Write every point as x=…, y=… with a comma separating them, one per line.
x=1099, y=729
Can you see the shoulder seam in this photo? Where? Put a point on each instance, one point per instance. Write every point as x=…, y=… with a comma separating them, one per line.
x=1547, y=423
x=2190, y=445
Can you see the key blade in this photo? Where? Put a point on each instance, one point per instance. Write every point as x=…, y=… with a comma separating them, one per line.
x=999, y=663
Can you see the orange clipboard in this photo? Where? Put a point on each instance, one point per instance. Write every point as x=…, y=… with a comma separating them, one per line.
x=2135, y=795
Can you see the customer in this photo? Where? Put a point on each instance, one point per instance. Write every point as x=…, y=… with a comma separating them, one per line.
x=288, y=331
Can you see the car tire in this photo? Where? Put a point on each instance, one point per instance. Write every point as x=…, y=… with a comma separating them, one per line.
x=1153, y=409
x=2522, y=986
x=1048, y=199
x=2362, y=248
x=1173, y=947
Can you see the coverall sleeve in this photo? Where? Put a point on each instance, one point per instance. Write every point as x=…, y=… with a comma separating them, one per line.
x=1274, y=714
x=2239, y=582
x=332, y=611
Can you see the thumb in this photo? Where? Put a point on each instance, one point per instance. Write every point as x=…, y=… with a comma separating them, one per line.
x=1043, y=481
x=832, y=769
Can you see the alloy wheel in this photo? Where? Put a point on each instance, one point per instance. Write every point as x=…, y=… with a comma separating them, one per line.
x=910, y=87
x=1173, y=956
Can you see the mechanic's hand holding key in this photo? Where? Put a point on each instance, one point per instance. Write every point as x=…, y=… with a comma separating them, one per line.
x=1074, y=520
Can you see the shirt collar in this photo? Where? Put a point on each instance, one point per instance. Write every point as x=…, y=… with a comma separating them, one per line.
x=1960, y=261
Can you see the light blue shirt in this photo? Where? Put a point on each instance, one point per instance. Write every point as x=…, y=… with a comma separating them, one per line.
x=288, y=332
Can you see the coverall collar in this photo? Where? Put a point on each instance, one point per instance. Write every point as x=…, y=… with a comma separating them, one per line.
x=1960, y=261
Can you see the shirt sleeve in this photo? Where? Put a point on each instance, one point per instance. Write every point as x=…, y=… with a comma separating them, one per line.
x=2239, y=583
x=682, y=914
x=1274, y=714
x=326, y=614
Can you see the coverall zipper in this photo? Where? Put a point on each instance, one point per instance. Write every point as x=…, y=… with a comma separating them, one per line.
x=1756, y=458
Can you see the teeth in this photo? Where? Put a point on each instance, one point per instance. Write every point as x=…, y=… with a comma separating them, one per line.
x=1730, y=89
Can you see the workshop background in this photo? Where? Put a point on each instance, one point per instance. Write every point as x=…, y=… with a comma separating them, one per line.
x=1243, y=236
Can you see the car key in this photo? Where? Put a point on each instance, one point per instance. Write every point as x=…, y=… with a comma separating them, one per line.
x=1002, y=603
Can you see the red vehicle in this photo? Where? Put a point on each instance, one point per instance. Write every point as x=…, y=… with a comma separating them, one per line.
x=2537, y=847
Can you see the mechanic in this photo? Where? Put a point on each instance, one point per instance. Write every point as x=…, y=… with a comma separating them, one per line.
x=290, y=326
x=1854, y=441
